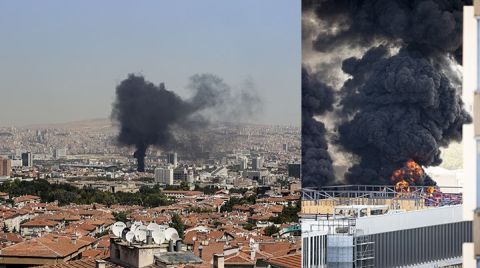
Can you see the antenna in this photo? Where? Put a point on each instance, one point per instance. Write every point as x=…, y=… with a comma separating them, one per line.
x=129, y=236
x=141, y=233
x=171, y=234
x=158, y=237
x=117, y=228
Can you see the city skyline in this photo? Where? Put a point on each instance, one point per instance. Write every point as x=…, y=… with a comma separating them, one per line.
x=60, y=67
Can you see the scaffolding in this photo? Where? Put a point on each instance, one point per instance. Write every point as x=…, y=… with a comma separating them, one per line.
x=364, y=252
x=414, y=197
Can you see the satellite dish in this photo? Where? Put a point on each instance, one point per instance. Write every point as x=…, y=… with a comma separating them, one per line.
x=154, y=227
x=175, y=237
x=129, y=236
x=117, y=228
x=171, y=234
x=158, y=237
x=141, y=233
x=135, y=225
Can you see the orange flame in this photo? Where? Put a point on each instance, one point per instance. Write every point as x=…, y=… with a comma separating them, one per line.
x=407, y=175
x=402, y=186
x=431, y=190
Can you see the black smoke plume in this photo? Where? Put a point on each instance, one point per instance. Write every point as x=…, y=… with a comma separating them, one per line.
x=431, y=26
x=403, y=109
x=150, y=115
x=317, y=98
x=401, y=102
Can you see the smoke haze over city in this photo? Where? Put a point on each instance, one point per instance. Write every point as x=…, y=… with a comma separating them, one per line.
x=74, y=54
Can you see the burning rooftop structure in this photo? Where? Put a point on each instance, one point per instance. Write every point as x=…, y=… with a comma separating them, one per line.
x=387, y=77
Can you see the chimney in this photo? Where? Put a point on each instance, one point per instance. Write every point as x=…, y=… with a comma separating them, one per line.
x=149, y=237
x=218, y=261
x=74, y=239
x=252, y=254
x=200, y=249
x=178, y=245
x=170, y=246
x=100, y=263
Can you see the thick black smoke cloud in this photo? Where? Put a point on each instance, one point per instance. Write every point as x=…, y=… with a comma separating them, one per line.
x=431, y=26
x=400, y=101
x=149, y=114
x=404, y=109
x=317, y=98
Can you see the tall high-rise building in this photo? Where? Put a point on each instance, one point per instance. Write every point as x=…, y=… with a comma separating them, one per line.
x=285, y=147
x=27, y=159
x=243, y=162
x=5, y=167
x=257, y=163
x=164, y=175
x=172, y=159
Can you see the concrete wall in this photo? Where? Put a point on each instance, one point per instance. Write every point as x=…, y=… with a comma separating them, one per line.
x=469, y=154
x=408, y=220
x=469, y=85
x=136, y=256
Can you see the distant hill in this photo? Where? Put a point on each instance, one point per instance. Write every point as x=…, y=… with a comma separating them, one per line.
x=98, y=123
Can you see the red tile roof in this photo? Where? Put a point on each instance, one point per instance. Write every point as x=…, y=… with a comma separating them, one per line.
x=288, y=261
x=47, y=246
x=239, y=258
x=24, y=198
x=39, y=223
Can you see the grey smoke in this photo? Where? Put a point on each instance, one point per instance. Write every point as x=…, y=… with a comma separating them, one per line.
x=150, y=114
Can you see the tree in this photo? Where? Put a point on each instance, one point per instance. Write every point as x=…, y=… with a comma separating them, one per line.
x=241, y=191
x=66, y=194
x=178, y=224
x=248, y=226
x=5, y=228
x=208, y=190
x=288, y=214
x=184, y=186
x=120, y=216
x=228, y=206
x=271, y=230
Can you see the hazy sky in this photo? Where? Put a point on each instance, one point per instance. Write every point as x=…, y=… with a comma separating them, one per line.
x=61, y=60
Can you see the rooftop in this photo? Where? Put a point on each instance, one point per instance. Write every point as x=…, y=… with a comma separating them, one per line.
x=178, y=258
x=325, y=199
x=49, y=246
